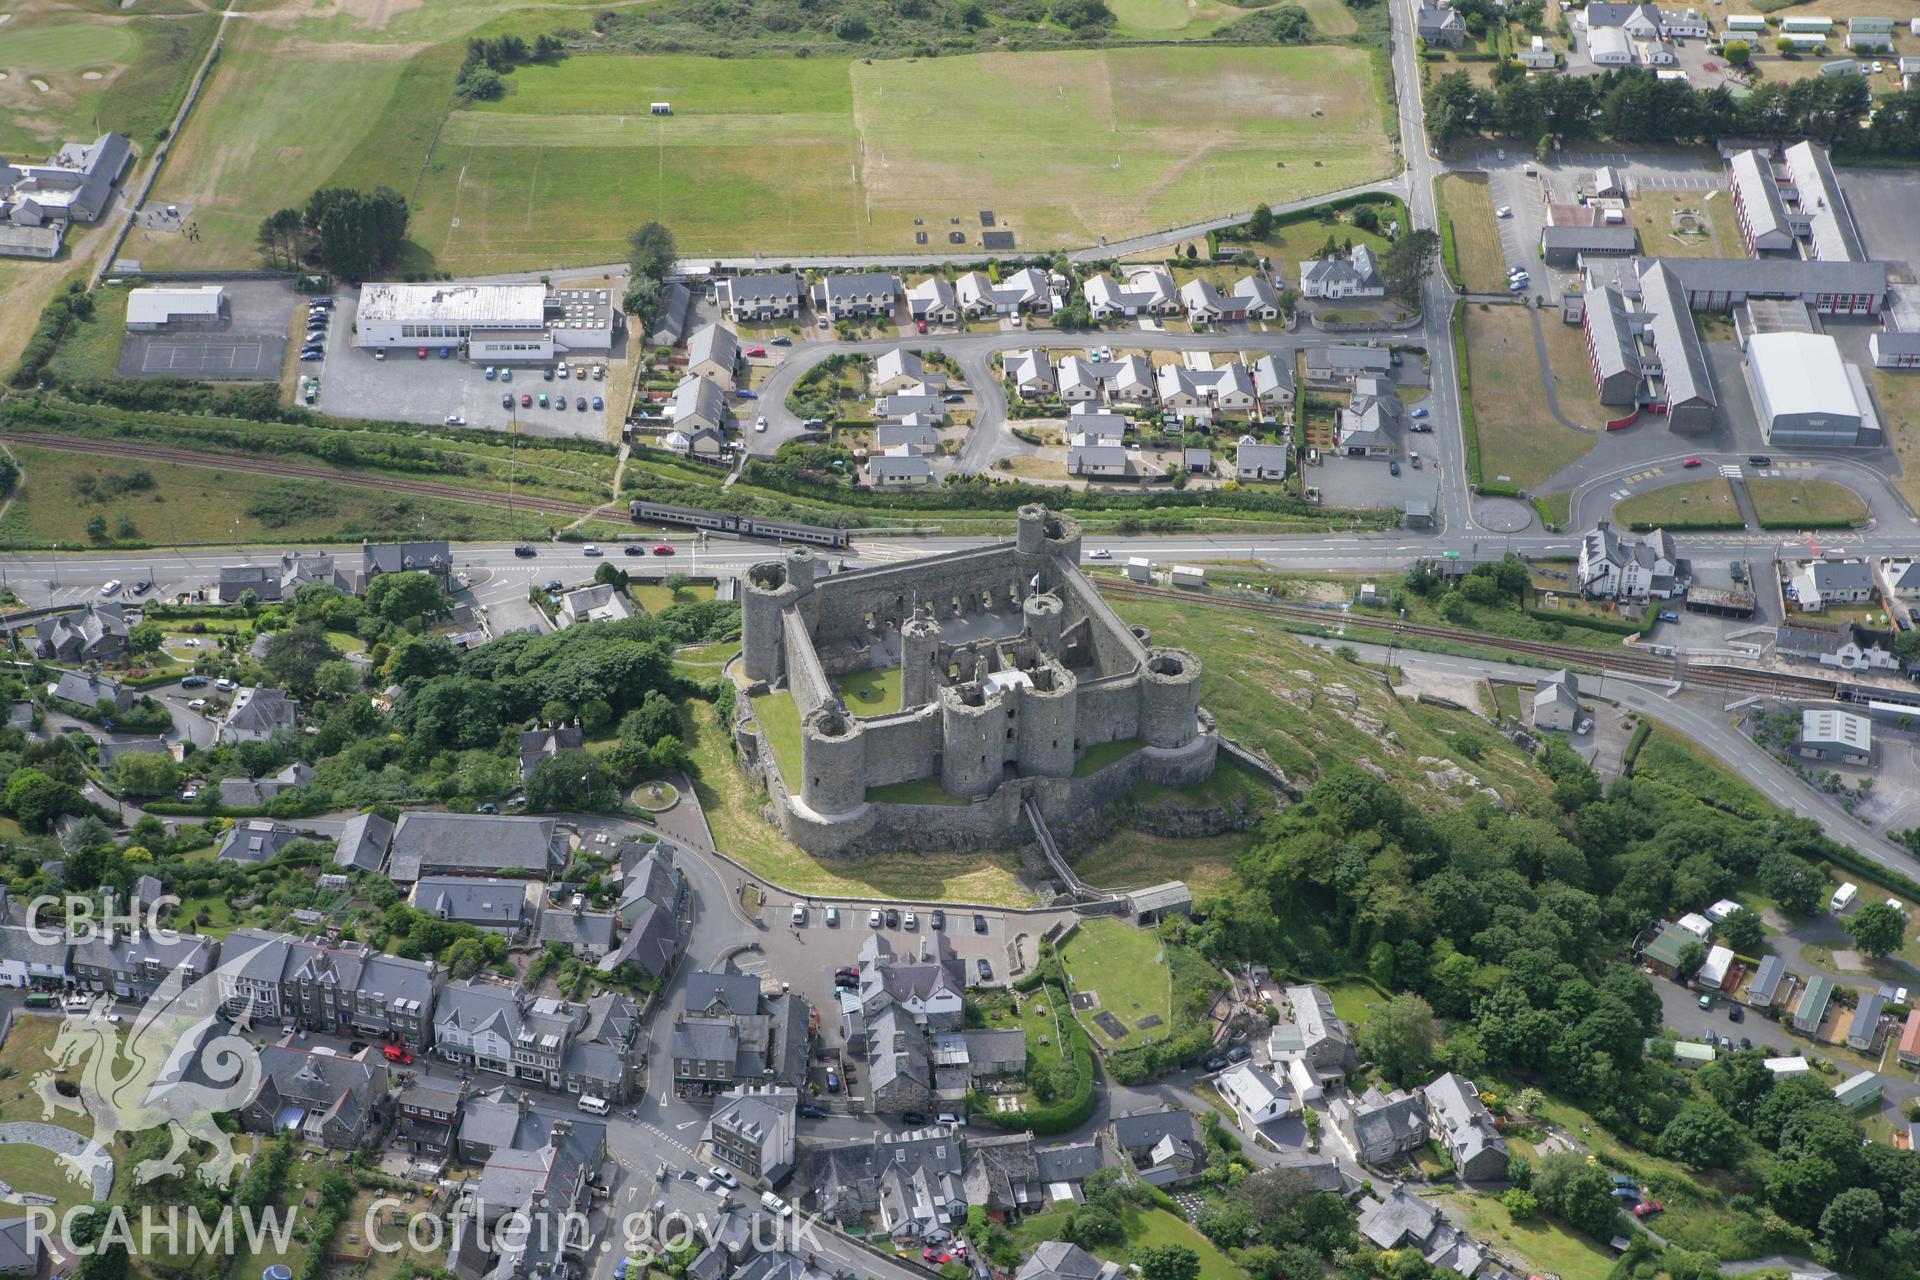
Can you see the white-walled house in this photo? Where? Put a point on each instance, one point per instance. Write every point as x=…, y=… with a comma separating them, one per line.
x=1256, y=1096
x=1624, y=567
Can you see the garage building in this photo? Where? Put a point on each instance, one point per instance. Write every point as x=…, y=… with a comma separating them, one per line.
x=158, y=308
x=1805, y=394
x=499, y=323
x=1828, y=734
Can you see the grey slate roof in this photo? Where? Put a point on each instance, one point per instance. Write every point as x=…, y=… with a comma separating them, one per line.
x=735, y=993
x=255, y=840
x=363, y=842
x=484, y=902
x=1683, y=363
x=474, y=843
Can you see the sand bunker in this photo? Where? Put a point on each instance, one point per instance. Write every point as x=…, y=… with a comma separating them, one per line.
x=39, y=84
x=91, y=75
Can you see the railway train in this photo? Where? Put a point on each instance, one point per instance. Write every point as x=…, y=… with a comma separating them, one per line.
x=738, y=525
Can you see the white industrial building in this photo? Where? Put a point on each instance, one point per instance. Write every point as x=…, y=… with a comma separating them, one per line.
x=1805, y=394
x=499, y=323
x=1829, y=734
x=193, y=304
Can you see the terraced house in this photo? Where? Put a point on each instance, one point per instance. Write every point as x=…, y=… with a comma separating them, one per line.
x=857, y=296
x=767, y=297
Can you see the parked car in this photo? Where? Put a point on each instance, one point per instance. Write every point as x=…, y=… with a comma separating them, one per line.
x=420, y=353
x=1218, y=1062
x=1647, y=1208
x=225, y=684
x=192, y=682
x=310, y=356
x=722, y=1177
x=599, y=404
x=873, y=919
x=1393, y=468
x=580, y=403
x=979, y=923
x=526, y=401
x=1668, y=615
x=455, y=420
x=396, y=1053
x=799, y=913
x=492, y=373
x=893, y=918
x=1735, y=1013
x=110, y=586
x=1706, y=1002
x=812, y=1111
x=145, y=585
x=744, y=394
x=833, y=1080
x=937, y=921
x=1745, y=1044
x=912, y=921
x=1239, y=1053
x=781, y=340
x=833, y=917
x=198, y=704
x=1504, y=211
x=756, y=352
x=543, y=399
x=985, y=969
x=506, y=401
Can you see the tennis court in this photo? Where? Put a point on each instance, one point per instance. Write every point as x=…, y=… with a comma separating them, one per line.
x=251, y=357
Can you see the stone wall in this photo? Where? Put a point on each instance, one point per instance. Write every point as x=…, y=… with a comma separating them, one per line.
x=805, y=678
x=1108, y=710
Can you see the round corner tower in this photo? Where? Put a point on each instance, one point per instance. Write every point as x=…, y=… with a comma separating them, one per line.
x=1046, y=617
x=1043, y=532
x=766, y=590
x=1170, y=698
x=833, y=761
x=1048, y=711
x=973, y=739
x=919, y=650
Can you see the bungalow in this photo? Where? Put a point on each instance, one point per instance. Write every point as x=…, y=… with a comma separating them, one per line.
x=910, y=407
x=1352, y=276
x=1148, y=291
x=856, y=295
x=1812, y=1009
x=1863, y=1031
x=1205, y=394
x=1273, y=382
x=1255, y=1095
x=602, y=602
x=1128, y=380
x=1253, y=461
x=700, y=442
x=1819, y=583
x=1909, y=1050
x=1025, y=290
x=1095, y=460
x=917, y=436
x=713, y=352
x=899, y=469
x=1256, y=297
x=764, y=297
x=1858, y=1091
x=1030, y=372
x=1204, y=303
x=1368, y=425
x=1341, y=363
x=255, y=840
x=898, y=370
x=1763, y=989
x=1641, y=21
x=932, y=301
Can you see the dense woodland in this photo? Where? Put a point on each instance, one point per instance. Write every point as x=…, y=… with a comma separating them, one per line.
x=1510, y=930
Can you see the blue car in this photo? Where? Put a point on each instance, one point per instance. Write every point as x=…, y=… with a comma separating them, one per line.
x=1421, y=412
x=313, y=355
x=747, y=395
x=598, y=403
x=446, y=353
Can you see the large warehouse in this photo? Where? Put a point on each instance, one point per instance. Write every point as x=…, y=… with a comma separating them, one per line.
x=194, y=304
x=1805, y=394
x=499, y=323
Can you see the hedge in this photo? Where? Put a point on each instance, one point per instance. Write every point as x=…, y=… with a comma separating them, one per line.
x=1641, y=733
x=1811, y=524
x=1608, y=625
x=1463, y=375
x=1693, y=526
x=1070, y=1112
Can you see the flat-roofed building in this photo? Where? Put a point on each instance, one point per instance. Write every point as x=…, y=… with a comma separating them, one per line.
x=500, y=323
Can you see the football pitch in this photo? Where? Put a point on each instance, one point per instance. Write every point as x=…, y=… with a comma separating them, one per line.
x=809, y=155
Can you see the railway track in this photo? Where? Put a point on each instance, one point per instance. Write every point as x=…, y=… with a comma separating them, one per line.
x=290, y=471
x=1624, y=661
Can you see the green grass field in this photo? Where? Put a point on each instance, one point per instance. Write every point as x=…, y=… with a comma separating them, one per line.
x=1142, y=1227
x=655, y=596
x=1692, y=501
x=198, y=505
x=785, y=155
x=1519, y=440
x=1125, y=966
x=872, y=692
x=91, y=348
x=1783, y=501
x=1476, y=236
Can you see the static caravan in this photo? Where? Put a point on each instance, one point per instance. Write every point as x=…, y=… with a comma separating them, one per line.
x=1843, y=897
x=1819, y=26
x=1803, y=40
x=661, y=108
x=1746, y=22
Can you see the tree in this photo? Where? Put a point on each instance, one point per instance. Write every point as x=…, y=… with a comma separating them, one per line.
x=644, y=300
x=1687, y=961
x=1167, y=1262
x=1743, y=932
x=1579, y=1193
x=1702, y=1134
x=1738, y=53
x=570, y=781
x=145, y=637
x=35, y=799
x=1852, y=1218
x=1407, y=264
x=1795, y=886
x=294, y=656
x=1455, y=106
x=97, y=528
x=146, y=773
x=335, y=678
x=1521, y=1203
x=1260, y=222
x=483, y=84
x=1091, y=1226
x=281, y=236
x=1877, y=929
x=357, y=232
x=1400, y=1036
x=402, y=597
x=651, y=251
x=1075, y=14
x=421, y=658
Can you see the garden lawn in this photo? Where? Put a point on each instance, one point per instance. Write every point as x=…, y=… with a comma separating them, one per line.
x=1520, y=442
x=657, y=596
x=733, y=805
x=26, y=1053
x=1127, y=968
x=1691, y=502
x=1143, y=1227
x=779, y=718
x=1476, y=235
x=1551, y=1247
x=1786, y=502
x=1653, y=214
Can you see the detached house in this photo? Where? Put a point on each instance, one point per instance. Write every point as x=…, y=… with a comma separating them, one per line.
x=933, y=301
x=1030, y=372
x=1166, y=1145
x=258, y=714
x=330, y=1100
x=713, y=352
x=856, y=296
x=1148, y=291
x=1379, y=1127
x=898, y=370
x=1461, y=1122
x=1622, y=567
x=767, y=297
x=1273, y=384
x=96, y=633
x=1253, y=461
x=1440, y=28
x=1206, y=394
x=1353, y=276
x=1026, y=290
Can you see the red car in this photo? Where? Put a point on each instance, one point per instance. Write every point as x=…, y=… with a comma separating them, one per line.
x=1691, y=463
x=422, y=353
x=1647, y=1208
x=663, y=550
x=920, y=325
x=756, y=351
x=937, y=1257
x=526, y=401
x=396, y=1053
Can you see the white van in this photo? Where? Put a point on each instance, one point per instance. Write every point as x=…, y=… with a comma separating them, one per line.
x=596, y=1106
x=1843, y=897
x=774, y=1204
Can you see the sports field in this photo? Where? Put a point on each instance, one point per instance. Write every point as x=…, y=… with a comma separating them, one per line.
x=812, y=155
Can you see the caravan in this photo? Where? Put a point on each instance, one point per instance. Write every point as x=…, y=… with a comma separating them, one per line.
x=1843, y=897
